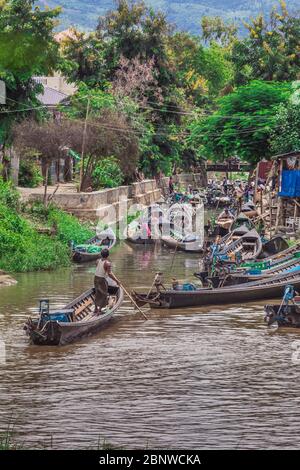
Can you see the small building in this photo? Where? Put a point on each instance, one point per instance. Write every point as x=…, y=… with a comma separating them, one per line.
x=286, y=180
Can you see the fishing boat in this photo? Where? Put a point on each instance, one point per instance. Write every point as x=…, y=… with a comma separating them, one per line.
x=230, y=279
x=193, y=297
x=249, y=209
x=247, y=247
x=146, y=229
x=234, y=235
x=242, y=220
x=287, y=313
x=75, y=321
x=286, y=316
x=274, y=246
x=188, y=243
x=284, y=255
x=91, y=250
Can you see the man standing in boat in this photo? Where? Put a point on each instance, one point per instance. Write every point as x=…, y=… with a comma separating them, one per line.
x=103, y=273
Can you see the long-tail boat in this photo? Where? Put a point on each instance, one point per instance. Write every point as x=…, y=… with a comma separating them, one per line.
x=75, y=321
x=187, y=243
x=273, y=247
x=240, y=221
x=258, y=290
x=287, y=313
x=248, y=247
x=91, y=250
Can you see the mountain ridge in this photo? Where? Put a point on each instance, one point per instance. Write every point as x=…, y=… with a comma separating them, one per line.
x=185, y=15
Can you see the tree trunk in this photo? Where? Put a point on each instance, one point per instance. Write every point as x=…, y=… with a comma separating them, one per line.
x=46, y=184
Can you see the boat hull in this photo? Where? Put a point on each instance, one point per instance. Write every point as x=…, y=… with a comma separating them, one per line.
x=56, y=333
x=286, y=316
x=188, y=247
x=221, y=296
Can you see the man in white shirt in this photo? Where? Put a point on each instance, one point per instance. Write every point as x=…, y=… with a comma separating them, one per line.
x=103, y=272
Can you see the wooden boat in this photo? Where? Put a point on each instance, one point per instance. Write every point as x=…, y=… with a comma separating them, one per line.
x=234, y=235
x=258, y=290
x=248, y=247
x=284, y=255
x=242, y=220
x=286, y=316
x=189, y=243
x=75, y=321
x=106, y=239
x=230, y=279
x=274, y=246
x=225, y=223
x=249, y=209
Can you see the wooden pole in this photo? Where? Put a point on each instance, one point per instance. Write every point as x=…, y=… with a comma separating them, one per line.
x=83, y=144
x=132, y=300
x=46, y=184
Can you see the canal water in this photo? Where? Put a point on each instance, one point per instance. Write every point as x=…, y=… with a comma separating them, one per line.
x=212, y=377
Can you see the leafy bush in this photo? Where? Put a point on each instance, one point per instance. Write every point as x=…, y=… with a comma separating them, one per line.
x=29, y=174
x=69, y=228
x=23, y=249
x=107, y=174
x=9, y=196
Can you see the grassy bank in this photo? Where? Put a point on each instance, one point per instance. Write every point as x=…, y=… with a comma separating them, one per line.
x=22, y=248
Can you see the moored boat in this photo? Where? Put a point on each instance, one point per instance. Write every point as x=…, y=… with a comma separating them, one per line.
x=247, y=247
x=75, y=321
x=273, y=247
x=188, y=243
x=258, y=290
x=91, y=250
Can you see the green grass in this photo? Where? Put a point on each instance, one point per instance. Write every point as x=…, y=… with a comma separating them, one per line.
x=22, y=248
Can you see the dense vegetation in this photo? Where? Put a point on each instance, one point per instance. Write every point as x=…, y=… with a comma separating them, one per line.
x=22, y=248
x=149, y=97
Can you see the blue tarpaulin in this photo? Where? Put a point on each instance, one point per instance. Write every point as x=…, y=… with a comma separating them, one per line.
x=290, y=183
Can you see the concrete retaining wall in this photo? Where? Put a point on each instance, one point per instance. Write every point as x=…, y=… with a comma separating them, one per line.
x=102, y=203
x=107, y=202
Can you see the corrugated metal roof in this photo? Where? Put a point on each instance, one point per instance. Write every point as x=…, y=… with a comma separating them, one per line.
x=51, y=97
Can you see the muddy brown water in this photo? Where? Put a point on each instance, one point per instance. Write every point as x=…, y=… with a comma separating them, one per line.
x=211, y=377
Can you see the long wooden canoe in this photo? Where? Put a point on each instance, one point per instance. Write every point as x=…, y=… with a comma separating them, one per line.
x=106, y=239
x=75, y=321
x=189, y=243
x=258, y=290
x=248, y=246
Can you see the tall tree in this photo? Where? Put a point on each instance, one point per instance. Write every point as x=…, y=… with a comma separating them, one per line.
x=243, y=123
x=27, y=48
x=286, y=134
x=215, y=29
x=271, y=51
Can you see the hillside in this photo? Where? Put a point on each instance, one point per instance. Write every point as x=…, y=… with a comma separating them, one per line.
x=186, y=14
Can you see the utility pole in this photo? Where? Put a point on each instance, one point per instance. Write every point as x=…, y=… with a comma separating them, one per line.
x=83, y=143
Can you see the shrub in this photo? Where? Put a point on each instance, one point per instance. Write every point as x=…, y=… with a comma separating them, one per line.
x=30, y=174
x=107, y=174
x=69, y=228
x=23, y=249
x=9, y=196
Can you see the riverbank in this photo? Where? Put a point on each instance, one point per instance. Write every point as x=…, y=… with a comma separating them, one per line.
x=6, y=280
x=24, y=244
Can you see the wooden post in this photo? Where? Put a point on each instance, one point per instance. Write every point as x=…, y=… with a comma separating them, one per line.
x=270, y=205
x=83, y=144
x=46, y=183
